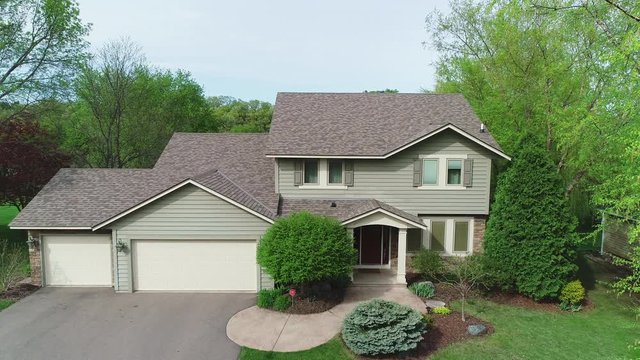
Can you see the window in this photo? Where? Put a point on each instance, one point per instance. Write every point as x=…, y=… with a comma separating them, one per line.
x=335, y=172
x=311, y=171
x=438, y=235
x=454, y=172
x=461, y=236
x=449, y=236
x=430, y=172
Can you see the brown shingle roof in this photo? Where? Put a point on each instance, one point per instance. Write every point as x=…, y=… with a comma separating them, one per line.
x=364, y=124
x=344, y=209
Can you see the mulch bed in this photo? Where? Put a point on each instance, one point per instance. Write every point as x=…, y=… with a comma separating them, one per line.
x=446, y=330
x=514, y=299
x=317, y=305
x=18, y=292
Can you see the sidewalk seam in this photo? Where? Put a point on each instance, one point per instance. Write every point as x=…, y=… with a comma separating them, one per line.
x=281, y=330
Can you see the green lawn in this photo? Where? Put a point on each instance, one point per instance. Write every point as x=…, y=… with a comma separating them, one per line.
x=5, y=304
x=7, y=213
x=603, y=332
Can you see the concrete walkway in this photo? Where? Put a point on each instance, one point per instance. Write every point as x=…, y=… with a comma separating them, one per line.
x=275, y=331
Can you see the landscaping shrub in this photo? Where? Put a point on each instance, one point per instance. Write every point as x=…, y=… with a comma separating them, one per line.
x=428, y=263
x=573, y=293
x=267, y=297
x=441, y=310
x=304, y=248
x=12, y=265
x=428, y=321
x=423, y=289
x=531, y=233
x=282, y=302
x=380, y=327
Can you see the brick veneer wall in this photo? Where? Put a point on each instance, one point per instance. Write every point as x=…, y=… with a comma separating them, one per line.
x=35, y=258
x=479, y=226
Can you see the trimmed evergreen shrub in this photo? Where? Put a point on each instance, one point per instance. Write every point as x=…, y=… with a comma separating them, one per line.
x=380, y=327
x=423, y=289
x=303, y=248
x=282, y=302
x=267, y=297
x=428, y=263
x=530, y=234
x=573, y=293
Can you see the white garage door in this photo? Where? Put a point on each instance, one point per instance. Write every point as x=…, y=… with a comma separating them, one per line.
x=77, y=260
x=163, y=265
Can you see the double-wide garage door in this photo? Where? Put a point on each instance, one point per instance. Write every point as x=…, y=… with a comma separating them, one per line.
x=77, y=260
x=192, y=265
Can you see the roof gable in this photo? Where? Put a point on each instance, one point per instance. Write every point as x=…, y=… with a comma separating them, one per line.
x=367, y=125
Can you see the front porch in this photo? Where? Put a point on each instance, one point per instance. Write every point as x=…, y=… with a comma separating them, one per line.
x=380, y=239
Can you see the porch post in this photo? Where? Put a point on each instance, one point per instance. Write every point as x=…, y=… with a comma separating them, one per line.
x=402, y=256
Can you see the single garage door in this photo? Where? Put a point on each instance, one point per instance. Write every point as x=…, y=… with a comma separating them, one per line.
x=77, y=260
x=183, y=265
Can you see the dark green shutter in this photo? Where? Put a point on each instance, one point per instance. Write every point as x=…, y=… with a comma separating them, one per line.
x=348, y=172
x=417, y=173
x=297, y=173
x=468, y=173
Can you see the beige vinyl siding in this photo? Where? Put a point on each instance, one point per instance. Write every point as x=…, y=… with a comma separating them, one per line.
x=391, y=180
x=188, y=213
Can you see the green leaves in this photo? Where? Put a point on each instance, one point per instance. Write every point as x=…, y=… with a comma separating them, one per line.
x=303, y=248
x=530, y=236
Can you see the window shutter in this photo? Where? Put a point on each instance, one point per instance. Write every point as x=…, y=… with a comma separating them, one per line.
x=417, y=172
x=348, y=172
x=468, y=172
x=297, y=173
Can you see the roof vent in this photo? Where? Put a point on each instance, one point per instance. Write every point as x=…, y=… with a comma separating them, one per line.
x=482, y=129
x=333, y=204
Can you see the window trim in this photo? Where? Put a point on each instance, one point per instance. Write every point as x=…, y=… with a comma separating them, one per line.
x=442, y=172
x=323, y=177
x=449, y=234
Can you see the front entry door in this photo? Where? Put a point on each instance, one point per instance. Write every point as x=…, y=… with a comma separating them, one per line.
x=371, y=246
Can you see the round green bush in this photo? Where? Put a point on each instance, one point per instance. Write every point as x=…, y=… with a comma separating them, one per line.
x=380, y=327
x=282, y=302
x=304, y=248
x=441, y=310
x=573, y=293
x=423, y=289
x=531, y=234
x=267, y=297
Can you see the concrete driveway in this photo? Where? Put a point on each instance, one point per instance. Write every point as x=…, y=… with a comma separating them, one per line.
x=83, y=323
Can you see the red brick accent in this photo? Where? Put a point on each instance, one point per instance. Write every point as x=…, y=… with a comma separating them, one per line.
x=479, y=225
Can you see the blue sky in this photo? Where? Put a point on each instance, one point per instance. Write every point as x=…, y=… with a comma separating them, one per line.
x=253, y=49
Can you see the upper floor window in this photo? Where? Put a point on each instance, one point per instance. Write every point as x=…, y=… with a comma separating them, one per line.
x=323, y=173
x=430, y=172
x=335, y=172
x=454, y=172
x=311, y=171
x=442, y=172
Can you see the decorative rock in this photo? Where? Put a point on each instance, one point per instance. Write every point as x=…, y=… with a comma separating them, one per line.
x=434, y=303
x=476, y=329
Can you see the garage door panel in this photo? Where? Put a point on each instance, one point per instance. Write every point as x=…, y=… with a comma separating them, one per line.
x=167, y=265
x=77, y=260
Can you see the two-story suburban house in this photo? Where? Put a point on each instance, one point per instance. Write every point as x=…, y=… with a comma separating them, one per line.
x=401, y=171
